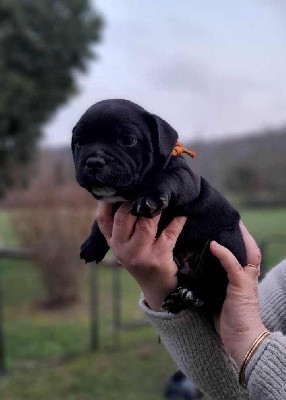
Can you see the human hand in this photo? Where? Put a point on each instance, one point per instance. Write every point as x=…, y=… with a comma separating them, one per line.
x=147, y=258
x=239, y=323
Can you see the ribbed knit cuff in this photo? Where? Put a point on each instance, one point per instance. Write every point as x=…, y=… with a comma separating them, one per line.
x=265, y=373
x=272, y=298
x=198, y=352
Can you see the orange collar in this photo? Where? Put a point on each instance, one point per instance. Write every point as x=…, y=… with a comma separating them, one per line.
x=179, y=149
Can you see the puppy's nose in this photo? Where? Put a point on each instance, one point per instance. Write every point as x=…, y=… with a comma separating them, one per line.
x=95, y=163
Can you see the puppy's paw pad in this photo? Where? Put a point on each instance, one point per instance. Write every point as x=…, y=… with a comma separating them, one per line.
x=148, y=206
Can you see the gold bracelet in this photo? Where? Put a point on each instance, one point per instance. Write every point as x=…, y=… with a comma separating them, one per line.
x=248, y=356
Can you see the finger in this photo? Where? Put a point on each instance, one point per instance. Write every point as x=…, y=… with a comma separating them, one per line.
x=252, y=250
x=123, y=224
x=145, y=231
x=229, y=262
x=104, y=218
x=252, y=270
x=171, y=233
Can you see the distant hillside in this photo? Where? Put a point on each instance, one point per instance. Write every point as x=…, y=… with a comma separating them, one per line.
x=251, y=168
x=255, y=163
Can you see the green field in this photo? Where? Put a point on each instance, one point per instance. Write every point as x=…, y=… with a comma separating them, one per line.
x=268, y=227
x=48, y=352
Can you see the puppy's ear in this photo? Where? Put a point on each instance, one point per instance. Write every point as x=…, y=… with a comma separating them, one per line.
x=164, y=138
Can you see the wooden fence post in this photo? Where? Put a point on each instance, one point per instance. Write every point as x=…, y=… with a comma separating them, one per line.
x=94, y=307
x=2, y=347
x=116, y=290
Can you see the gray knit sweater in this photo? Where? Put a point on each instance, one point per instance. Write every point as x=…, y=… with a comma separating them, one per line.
x=197, y=350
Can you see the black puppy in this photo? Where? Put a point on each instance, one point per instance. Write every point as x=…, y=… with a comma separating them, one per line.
x=122, y=152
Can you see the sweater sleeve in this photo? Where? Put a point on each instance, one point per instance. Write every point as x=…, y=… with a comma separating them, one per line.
x=197, y=350
x=266, y=372
x=272, y=298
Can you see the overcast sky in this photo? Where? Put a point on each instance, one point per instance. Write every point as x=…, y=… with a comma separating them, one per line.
x=211, y=68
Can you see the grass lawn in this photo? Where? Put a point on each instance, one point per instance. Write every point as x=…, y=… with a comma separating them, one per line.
x=48, y=352
x=130, y=373
x=268, y=227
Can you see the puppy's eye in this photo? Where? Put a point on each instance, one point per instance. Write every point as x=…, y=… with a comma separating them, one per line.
x=128, y=141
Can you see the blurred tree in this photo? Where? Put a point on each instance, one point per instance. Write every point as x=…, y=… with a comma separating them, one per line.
x=42, y=45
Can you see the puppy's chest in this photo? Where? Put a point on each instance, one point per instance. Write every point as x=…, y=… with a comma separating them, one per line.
x=113, y=199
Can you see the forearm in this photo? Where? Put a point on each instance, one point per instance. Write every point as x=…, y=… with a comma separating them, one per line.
x=197, y=350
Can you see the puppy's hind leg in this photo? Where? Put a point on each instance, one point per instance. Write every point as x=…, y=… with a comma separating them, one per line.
x=95, y=247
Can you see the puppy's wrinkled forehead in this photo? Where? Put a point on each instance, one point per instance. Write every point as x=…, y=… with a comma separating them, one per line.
x=109, y=118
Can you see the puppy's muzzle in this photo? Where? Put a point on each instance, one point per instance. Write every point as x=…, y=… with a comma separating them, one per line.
x=95, y=163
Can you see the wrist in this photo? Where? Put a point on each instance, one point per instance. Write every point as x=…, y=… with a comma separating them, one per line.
x=156, y=294
x=260, y=338
x=240, y=347
x=153, y=302
x=157, y=283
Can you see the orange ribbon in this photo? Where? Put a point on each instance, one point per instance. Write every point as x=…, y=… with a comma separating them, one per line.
x=180, y=149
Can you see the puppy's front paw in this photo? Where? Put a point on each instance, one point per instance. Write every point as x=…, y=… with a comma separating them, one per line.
x=149, y=206
x=90, y=251
x=181, y=299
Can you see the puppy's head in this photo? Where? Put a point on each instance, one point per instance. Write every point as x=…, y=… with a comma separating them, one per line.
x=115, y=144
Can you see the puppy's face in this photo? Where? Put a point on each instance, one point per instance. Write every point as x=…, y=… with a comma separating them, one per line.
x=114, y=147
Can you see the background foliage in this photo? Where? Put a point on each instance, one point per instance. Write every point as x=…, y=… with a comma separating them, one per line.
x=42, y=45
